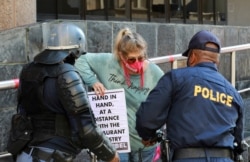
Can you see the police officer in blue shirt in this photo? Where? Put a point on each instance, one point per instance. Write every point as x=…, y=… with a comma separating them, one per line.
x=202, y=110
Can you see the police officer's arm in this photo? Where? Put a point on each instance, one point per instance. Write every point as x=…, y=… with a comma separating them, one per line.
x=239, y=125
x=74, y=98
x=153, y=113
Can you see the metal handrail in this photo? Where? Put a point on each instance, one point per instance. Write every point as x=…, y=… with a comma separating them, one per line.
x=231, y=50
x=176, y=57
x=9, y=84
x=14, y=83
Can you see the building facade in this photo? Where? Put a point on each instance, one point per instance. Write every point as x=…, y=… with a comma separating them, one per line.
x=21, y=34
x=15, y=13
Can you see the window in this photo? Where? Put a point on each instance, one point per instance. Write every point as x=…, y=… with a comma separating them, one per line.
x=169, y=11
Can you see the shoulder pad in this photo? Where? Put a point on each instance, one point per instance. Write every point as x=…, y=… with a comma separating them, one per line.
x=72, y=92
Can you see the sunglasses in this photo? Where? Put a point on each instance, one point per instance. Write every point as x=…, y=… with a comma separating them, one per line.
x=132, y=60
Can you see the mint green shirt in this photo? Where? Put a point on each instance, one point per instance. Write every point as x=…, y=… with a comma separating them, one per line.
x=105, y=68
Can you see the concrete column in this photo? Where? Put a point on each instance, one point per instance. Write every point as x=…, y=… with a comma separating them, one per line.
x=14, y=13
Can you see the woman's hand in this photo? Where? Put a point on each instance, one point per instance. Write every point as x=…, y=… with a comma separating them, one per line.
x=99, y=89
x=148, y=143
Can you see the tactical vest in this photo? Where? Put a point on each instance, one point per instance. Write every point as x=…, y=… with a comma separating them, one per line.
x=46, y=124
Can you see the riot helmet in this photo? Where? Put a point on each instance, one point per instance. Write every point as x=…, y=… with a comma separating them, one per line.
x=66, y=36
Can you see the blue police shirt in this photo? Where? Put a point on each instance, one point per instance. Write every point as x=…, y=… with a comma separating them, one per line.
x=200, y=107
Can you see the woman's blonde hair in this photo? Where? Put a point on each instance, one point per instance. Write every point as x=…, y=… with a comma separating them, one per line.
x=128, y=41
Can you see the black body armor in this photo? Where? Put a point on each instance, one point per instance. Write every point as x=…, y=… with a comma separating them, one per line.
x=80, y=129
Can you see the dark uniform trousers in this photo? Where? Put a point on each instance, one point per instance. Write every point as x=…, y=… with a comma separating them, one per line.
x=48, y=155
x=203, y=155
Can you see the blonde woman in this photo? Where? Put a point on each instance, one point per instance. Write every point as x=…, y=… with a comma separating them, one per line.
x=126, y=68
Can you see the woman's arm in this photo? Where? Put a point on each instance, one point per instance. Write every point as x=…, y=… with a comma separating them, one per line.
x=84, y=66
x=89, y=66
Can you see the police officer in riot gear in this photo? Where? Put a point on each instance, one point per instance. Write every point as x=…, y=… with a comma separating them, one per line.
x=202, y=110
x=53, y=95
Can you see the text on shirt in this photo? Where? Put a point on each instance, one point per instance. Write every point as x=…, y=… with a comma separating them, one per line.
x=213, y=95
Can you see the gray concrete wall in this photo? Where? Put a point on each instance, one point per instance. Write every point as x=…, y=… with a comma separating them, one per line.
x=18, y=46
